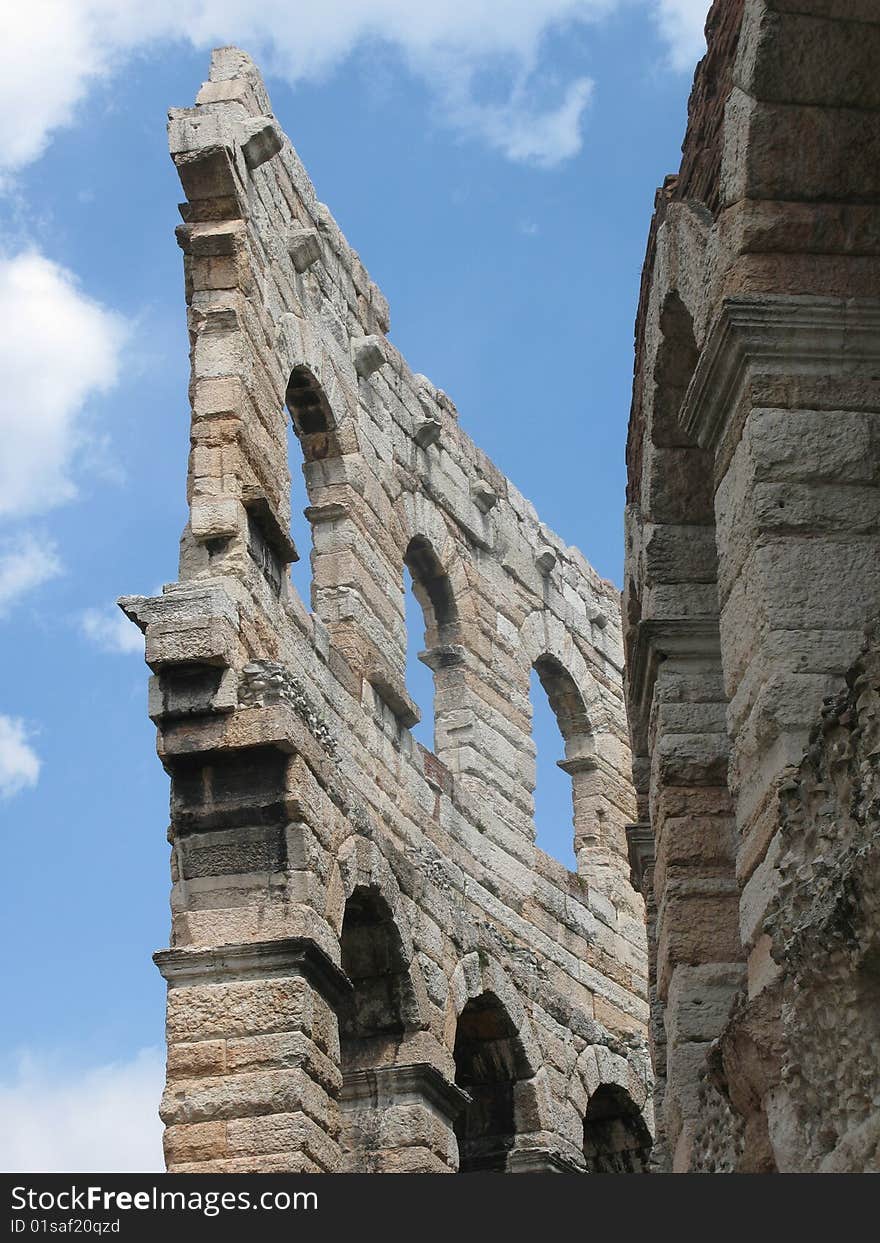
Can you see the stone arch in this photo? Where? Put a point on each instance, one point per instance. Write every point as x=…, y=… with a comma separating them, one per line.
x=498, y=1063
x=313, y=420
x=584, y=719
x=478, y=973
x=417, y=519
x=443, y=592
x=362, y=869
x=686, y=492
x=615, y=1108
x=616, y=1137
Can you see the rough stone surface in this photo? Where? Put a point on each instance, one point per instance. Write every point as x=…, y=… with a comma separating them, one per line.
x=372, y=967
x=753, y=532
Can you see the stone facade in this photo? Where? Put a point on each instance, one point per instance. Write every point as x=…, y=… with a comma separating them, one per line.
x=372, y=966
x=753, y=533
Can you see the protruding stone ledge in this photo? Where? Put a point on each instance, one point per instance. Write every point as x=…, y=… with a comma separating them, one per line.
x=794, y=335
x=540, y=1160
x=483, y=496
x=368, y=354
x=259, y=139
x=444, y=656
x=427, y=431
x=659, y=638
x=578, y=764
x=304, y=248
x=255, y=960
x=420, y=1082
x=392, y=692
x=192, y=625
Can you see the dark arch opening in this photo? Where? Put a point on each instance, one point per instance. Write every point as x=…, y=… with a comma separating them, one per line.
x=311, y=415
x=489, y=1062
x=616, y=1139
x=381, y=1002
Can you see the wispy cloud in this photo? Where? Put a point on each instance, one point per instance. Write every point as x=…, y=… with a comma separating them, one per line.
x=57, y=1119
x=26, y=562
x=56, y=49
x=111, y=631
x=19, y=763
x=681, y=25
x=58, y=348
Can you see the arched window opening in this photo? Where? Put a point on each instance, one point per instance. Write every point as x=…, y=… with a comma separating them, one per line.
x=313, y=439
x=558, y=716
x=488, y=1063
x=431, y=612
x=616, y=1139
x=380, y=1006
x=311, y=415
x=433, y=591
x=419, y=678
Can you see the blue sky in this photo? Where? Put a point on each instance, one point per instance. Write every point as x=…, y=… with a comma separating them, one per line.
x=494, y=164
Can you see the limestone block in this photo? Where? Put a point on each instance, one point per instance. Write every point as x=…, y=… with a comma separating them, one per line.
x=699, y=1000
x=304, y=247
x=484, y=495
x=368, y=354
x=427, y=431
x=259, y=139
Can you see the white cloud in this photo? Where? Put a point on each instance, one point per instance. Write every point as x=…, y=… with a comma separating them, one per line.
x=57, y=348
x=19, y=763
x=55, y=49
x=102, y=1119
x=111, y=630
x=26, y=562
x=681, y=24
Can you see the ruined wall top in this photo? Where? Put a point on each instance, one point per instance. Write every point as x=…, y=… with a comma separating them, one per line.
x=312, y=837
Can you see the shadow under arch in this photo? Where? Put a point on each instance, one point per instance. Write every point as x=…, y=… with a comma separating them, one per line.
x=383, y=1003
x=489, y=1063
x=616, y=1137
x=312, y=417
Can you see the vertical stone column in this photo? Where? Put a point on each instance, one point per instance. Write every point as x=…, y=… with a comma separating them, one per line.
x=698, y=951
x=253, y=1058
x=787, y=396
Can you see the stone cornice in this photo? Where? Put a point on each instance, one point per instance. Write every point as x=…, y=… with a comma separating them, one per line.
x=379, y=1084
x=694, y=638
x=796, y=334
x=255, y=960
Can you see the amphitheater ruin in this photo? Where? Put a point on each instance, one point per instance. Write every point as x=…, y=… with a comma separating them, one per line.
x=372, y=966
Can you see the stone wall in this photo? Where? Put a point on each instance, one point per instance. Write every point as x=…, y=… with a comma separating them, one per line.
x=753, y=527
x=372, y=967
